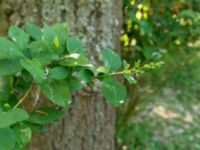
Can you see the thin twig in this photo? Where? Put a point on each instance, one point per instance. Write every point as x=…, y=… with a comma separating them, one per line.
x=24, y=97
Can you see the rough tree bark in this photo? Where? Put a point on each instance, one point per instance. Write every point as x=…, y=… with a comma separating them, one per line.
x=89, y=121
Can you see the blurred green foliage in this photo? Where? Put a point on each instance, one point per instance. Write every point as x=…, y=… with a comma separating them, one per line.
x=166, y=31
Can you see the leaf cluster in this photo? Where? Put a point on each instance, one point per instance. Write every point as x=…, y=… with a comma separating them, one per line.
x=49, y=61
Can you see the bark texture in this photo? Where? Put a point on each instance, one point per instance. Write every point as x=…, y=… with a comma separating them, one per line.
x=89, y=121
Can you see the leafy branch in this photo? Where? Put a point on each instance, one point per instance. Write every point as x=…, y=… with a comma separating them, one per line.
x=56, y=63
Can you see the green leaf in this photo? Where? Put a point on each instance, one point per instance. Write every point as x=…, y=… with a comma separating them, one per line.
x=12, y=116
x=52, y=40
x=47, y=58
x=18, y=36
x=111, y=60
x=45, y=115
x=9, y=49
x=61, y=33
x=75, y=84
x=130, y=78
x=34, y=68
x=7, y=139
x=58, y=73
x=38, y=51
x=9, y=67
x=56, y=91
x=33, y=30
x=101, y=69
x=61, y=29
x=86, y=75
x=48, y=37
x=74, y=60
x=4, y=88
x=113, y=91
x=55, y=37
x=23, y=134
x=36, y=47
x=74, y=46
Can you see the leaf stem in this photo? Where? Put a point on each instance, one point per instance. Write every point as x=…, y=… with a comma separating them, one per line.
x=116, y=73
x=41, y=112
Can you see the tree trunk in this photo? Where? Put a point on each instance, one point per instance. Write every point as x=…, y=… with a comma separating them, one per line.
x=89, y=121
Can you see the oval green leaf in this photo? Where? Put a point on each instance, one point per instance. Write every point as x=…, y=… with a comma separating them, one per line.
x=114, y=92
